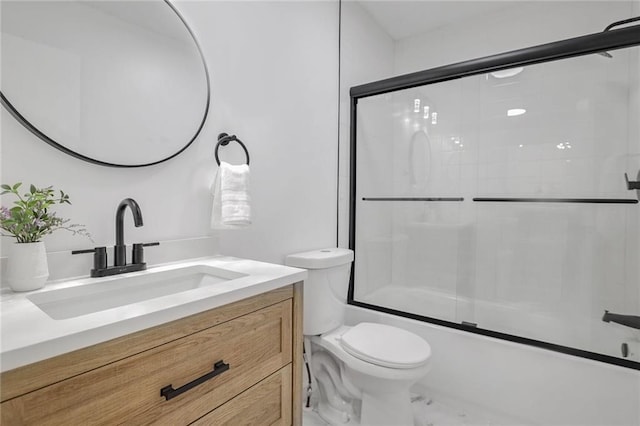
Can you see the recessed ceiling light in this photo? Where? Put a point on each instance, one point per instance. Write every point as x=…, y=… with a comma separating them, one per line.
x=507, y=73
x=515, y=112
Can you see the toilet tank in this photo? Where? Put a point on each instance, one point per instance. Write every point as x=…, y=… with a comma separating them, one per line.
x=325, y=289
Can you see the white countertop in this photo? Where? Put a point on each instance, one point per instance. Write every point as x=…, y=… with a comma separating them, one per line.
x=30, y=335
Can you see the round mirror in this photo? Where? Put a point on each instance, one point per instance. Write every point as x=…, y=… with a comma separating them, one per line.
x=116, y=83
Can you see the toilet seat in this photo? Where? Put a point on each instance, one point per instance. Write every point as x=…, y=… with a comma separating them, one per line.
x=386, y=346
x=331, y=342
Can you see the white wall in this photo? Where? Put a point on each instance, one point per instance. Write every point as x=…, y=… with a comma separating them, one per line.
x=274, y=79
x=366, y=54
x=274, y=67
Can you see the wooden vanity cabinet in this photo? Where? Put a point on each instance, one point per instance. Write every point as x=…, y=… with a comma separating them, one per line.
x=236, y=364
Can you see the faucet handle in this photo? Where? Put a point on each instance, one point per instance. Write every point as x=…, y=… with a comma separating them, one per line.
x=99, y=256
x=138, y=251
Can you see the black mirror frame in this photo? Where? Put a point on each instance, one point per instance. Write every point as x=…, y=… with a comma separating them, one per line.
x=33, y=129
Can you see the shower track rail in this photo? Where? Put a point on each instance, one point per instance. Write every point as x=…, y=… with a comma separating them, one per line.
x=510, y=200
x=412, y=199
x=597, y=43
x=556, y=200
x=565, y=49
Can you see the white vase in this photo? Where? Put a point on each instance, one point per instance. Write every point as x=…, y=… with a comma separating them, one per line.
x=27, y=267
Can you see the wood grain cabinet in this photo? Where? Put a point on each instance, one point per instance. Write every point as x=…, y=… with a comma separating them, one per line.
x=239, y=364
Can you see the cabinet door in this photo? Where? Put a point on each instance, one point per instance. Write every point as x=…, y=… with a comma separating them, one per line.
x=129, y=391
x=266, y=403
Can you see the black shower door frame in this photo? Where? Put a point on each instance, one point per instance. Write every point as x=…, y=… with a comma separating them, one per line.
x=610, y=39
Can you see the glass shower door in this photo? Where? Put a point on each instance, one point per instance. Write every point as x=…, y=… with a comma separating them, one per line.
x=497, y=202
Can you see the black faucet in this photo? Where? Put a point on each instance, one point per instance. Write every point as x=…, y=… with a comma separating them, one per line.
x=100, y=268
x=628, y=320
x=119, y=250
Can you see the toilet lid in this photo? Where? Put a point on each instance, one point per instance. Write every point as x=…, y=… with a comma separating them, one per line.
x=386, y=346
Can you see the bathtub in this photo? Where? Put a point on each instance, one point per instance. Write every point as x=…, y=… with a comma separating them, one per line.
x=523, y=384
x=559, y=324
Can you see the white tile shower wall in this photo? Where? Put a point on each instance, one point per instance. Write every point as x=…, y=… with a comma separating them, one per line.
x=579, y=112
x=633, y=168
x=274, y=72
x=532, y=386
x=559, y=264
x=540, y=258
x=376, y=180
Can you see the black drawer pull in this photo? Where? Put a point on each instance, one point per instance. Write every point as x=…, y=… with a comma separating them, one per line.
x=218, y=368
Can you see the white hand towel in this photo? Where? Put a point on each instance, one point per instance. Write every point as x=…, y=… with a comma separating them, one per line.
x=231, y=201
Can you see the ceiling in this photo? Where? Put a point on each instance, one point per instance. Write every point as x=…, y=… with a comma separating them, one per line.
x=401, y=18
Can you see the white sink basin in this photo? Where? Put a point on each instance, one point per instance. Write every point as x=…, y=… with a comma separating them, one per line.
x=124, y=290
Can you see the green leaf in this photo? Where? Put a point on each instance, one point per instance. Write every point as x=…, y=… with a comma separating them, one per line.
x=31, y=218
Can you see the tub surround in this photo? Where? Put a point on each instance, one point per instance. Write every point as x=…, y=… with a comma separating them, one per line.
x=29, y=335
x=509, y=383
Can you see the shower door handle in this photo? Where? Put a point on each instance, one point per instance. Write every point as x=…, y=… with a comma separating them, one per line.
x=631, y=185
x=634, y=184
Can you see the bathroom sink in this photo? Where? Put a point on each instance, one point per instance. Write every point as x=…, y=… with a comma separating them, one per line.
x=84, y=299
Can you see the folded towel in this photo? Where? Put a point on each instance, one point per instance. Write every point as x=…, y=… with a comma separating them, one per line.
x=231, y=201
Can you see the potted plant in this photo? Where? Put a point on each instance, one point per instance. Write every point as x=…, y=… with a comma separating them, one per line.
x=28, y=221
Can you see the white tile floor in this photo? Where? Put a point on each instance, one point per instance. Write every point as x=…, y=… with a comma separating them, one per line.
x=311, y=418
x=430, y=412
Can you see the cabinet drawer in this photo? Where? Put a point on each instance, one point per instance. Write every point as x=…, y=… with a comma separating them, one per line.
x=267, y=403
x=128, y=391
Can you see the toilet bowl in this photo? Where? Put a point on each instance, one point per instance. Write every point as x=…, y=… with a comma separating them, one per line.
x=379, y=364
x=362, y=373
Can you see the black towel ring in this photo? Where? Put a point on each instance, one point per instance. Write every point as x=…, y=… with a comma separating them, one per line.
x=224, y=139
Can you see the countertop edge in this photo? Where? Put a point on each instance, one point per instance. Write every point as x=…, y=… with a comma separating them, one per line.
x=59, y=345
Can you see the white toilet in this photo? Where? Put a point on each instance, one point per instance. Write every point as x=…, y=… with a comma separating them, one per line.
x=363, y=373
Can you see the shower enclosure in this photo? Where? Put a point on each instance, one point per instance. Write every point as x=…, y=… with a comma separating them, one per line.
x=498, y=195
